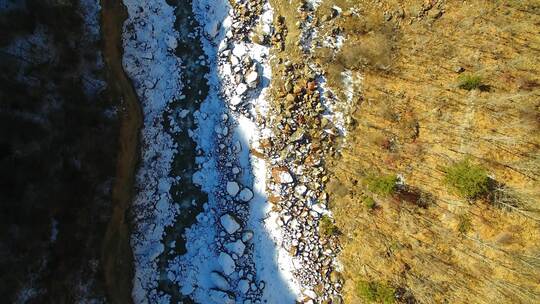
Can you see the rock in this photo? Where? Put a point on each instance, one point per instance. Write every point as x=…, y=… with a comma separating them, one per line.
x=252, y=79
x=241, y=89
x=226, y=263
x=236, y=100
x=288, y=87
x=311, y=294
x=291, y=98
x=232, y=188
x=300, y=190
x=285, y=177
x=247, y=236
x=459, y=69
x=229, y=223
x=218, y=296
x=236, y=247
x=298, y=135
x=219, y=281
x=245, y=195
x=243, y=286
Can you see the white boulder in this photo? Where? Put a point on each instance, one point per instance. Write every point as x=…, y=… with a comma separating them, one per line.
x=221, y=297
x=226, y=263
x=219, y=281
x=245, y=195
x=232, y=188
x=229, y=223
x=236, y=247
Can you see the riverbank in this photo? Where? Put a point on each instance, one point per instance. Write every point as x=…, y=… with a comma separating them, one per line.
x=117, y=256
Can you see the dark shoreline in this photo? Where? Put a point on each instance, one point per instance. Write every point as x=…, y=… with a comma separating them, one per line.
x=117, y=255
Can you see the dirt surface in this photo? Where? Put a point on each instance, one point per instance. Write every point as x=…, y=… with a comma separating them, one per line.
x=116, y=252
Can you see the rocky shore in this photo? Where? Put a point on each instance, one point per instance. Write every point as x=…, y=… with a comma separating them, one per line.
x=260, y=153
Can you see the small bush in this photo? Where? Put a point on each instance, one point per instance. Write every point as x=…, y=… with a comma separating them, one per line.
x=369, y=202
x=375, y=292
x=382, y=185
x=469, y=82
x=327, y=227
x=468, y=180
x=464, y=225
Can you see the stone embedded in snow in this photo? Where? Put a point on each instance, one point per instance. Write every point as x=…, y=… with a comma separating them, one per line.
x=319, y=208
x=247, y=236
x=252, y=78
x=219, y=281
x=310, y=293
x=241, y=89
x=232, y=188
x=222, y=46
x=243, y=286
x=234, y=61
x=226, y=263
x=229, y=223
x=245, y=195
x=236, y=100
x=172, y=43
x=239, y=50
x=212, y=29
x=300, y=189
x=235, y=170
x=221, y=297
x=236, y=247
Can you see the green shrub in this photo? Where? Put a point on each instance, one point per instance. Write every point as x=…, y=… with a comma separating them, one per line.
x=469, y=82
x=327, y=227
x=468, y=180
x=465, y=224
x=382, y=185
x=369, y=202
x=375, y=292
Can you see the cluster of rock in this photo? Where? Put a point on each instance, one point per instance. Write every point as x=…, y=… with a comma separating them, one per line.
x=236, y=280
x=302, y=139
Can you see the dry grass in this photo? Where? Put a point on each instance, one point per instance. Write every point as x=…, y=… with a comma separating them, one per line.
x=414, y=120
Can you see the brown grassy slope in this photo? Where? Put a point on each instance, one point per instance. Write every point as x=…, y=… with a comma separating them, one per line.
x=413, y=120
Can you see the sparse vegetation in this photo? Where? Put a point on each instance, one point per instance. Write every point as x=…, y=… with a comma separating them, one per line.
x=469, y=82
x=384, y=185
x=465, y=224
x=369, y=202
x=466, y=179
x=376, y=292
x=327, y=227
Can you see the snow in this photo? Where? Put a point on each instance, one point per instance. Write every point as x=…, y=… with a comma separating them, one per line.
x=149, y=33
x=157, y=81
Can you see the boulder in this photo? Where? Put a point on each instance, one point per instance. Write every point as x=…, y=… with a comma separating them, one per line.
x=226, y=263
x=245, y=195
x=236, y=247
x=229, y=223
x=219, y=281
x=232, y=188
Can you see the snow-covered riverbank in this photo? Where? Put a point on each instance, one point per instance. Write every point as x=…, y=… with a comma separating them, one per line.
x=233, y=254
